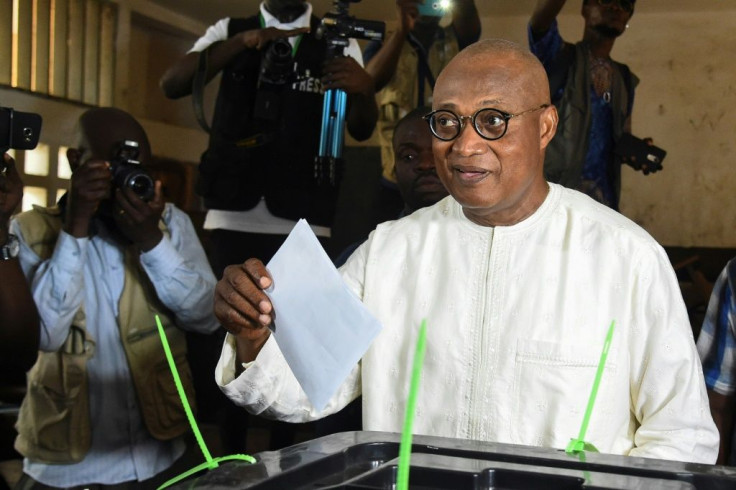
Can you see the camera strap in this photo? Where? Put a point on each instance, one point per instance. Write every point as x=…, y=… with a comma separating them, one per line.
x=198, y=83
x=424, y=72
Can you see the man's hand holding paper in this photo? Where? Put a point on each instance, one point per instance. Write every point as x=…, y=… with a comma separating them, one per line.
x=321, y=328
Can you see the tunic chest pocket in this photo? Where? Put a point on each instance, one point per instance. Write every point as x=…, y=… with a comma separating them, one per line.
x=552, y=383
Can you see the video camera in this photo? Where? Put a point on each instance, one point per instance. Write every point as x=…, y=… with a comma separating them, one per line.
x=18, y=130
x=127, y=171
x=336, y=28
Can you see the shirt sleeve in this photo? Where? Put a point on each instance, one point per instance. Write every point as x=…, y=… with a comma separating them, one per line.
x=546, y=47
x=181, y=274
x=216, y=32
x=269, y=387
x=57, y=285
x=353, y=50
x=668, y=396
x=717, y=343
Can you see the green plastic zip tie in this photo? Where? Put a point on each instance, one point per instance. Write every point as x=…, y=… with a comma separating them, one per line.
x=210, y=462
x=402, y=478
x=579, y=444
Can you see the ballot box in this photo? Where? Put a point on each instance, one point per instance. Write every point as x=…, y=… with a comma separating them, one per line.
x=369, y=460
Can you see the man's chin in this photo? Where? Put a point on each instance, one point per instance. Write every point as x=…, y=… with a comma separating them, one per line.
x=608, y=31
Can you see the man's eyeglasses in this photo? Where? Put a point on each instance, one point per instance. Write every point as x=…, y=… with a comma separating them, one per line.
x=490, y=124
x=626, y=5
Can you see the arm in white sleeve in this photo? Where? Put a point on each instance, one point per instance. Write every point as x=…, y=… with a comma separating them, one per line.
x=668, y=394
x=57, y=285
x=215, y=33
x=181, y=274
x=268, y=387
x=353, y=50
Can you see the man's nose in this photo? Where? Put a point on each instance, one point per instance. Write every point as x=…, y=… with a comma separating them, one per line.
x=468, y=141
x=425, y=163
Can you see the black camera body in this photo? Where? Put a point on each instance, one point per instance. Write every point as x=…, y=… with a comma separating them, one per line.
x=639, y=154
x=277, y=70
x=18, y=130
x=337, y=27
x=127, y=171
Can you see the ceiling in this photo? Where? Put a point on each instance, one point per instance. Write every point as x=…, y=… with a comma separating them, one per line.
x=209, y=11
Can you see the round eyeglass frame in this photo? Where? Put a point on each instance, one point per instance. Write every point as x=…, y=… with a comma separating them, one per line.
x=502, y=114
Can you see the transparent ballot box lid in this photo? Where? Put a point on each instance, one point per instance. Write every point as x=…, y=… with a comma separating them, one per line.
x=369, y=460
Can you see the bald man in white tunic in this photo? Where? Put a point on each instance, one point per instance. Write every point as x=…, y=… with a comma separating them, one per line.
x=519, y=280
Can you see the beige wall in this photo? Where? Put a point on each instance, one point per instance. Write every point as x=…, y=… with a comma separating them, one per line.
x=686, y=101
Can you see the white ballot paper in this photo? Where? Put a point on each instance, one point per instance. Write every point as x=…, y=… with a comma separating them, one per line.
x=320, y=326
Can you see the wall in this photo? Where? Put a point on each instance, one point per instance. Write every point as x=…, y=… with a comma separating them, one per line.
x=144, y=47
x=686, y=101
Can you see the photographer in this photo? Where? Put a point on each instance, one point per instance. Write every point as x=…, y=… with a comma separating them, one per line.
x=405, y=66
x=593, y=94
x=18, y=314
x=257, y=176
x=101, y=265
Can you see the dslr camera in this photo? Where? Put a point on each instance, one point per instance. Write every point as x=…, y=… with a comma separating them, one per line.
x=277, y=70
x=127, y=171
x=639, y=154
x=18, y=130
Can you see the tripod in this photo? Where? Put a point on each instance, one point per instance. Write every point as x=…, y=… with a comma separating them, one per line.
x=337, y=27
x=331, y=137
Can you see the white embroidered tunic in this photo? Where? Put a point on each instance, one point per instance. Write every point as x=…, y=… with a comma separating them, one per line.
x=517, y=317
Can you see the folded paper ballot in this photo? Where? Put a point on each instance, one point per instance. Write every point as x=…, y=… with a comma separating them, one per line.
x=320, y=326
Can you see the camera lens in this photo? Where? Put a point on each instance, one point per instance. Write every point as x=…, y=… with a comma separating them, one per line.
x=142, y=185
x=278, y=64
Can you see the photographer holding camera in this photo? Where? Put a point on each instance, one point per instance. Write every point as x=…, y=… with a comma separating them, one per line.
x=101, y=265
x=594, y=96
x=18, y=314
x=257, y=176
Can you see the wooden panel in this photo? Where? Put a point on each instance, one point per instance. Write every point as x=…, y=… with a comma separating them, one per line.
x=108, y=18
x=6, y=40
x=75, y=38
x=58, y=47
x=122, y=56
x=22, y=18
x=91, y=51
x=40, y=45
x=177, y=181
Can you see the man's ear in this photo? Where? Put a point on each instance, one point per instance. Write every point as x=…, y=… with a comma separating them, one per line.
x=73, y=155
x=547, y=125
